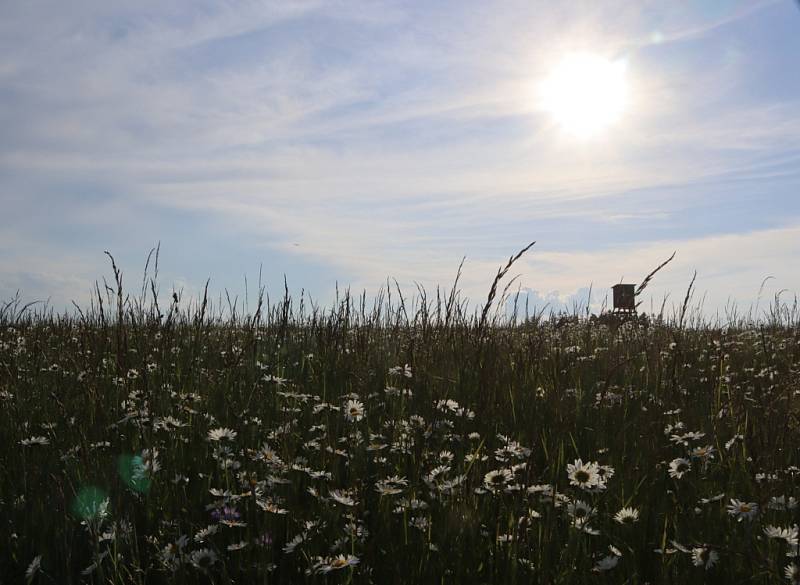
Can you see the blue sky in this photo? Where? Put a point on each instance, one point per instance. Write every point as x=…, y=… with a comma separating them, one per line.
x=351, y=142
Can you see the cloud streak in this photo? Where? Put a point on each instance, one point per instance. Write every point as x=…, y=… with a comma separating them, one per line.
x=384, y=139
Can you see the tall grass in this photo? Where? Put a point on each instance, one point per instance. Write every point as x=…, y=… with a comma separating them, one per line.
x=406, y=440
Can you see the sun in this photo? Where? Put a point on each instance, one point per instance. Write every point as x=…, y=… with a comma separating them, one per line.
x=585, y=94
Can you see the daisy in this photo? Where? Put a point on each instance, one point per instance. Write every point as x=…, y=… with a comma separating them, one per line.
x=627, y=516
x=704, y=453
x=505, y=538
x=742, y=510
x=290, y=546
x=787, y=534
x=31, y=441
x=353, y=411
x=729, y=443
x=580, y=511
x=472, y=457
x=792, y=573
x=583, y=475
x=605, y=472
x=404, y=371
x=583, y=526
x=391, y=485
x=777, y=503
x=446, y=456
x=340, y=562
x=686, y=437
x=221, y=433
x=203, y=534
x=678, y=467
x=34, y=568
x=607, y=563
x=497, y=479
x=228, y=516
x=149, y=463
x=782, y=503
x=448, y=404
x=170, y=556
x=273, y=508
x=203, y=558
x=342, y=498
x=703, y=556
x=527, y=564
x=554, y=497
x=268, y=455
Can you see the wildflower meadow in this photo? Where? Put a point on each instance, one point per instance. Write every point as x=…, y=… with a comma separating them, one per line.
x=395, y=440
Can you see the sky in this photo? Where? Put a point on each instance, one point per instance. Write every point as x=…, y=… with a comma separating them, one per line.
x=344, y=143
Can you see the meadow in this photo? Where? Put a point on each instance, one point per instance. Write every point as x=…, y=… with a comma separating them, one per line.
x=395, y=441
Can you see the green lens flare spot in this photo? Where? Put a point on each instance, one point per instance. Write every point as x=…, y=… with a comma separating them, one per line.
x=133, y=472
x=91, y=503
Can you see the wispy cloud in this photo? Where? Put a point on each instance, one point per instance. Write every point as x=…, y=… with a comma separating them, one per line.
x=384, y=138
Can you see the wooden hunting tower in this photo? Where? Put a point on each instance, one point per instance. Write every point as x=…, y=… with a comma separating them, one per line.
x=624, y=298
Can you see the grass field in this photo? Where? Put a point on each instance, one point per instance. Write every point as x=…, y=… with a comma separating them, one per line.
x=400, y=442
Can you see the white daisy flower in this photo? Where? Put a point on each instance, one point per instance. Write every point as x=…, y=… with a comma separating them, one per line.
x=497, y=479
x=342, y=498
x=292, y=545
x=339, y=562
x=268, y=455
x=782, y=503
x=787, y=534
x=404, y=371
x=742, y=510
x=627, y=516
x=446, y=456
x=605, y=472
x=203, y=534
x=607, y=563
x=203, y=558
x=391, y=485
x=678, y=467
x=585, y=527
x=703, y=453
x=580, y=511
x=583, y=475
x=221, y=434
x=702, y=556
x=777, y=503
x=353, y=411
x=792, y=572
x=505, y=538
x=31, y=441
x=34, y=568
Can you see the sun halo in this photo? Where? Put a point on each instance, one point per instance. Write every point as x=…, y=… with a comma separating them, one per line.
x=585, y=94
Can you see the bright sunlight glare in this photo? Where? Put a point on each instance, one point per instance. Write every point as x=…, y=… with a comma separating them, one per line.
x=585, y=94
